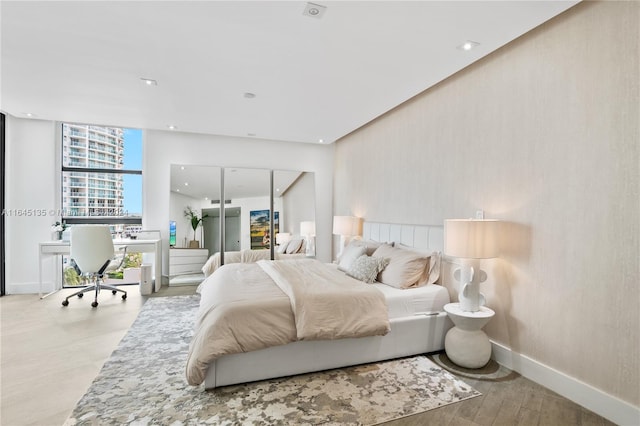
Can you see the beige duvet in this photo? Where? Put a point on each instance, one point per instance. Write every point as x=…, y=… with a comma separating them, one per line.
x=245, y=307
x=243, y=256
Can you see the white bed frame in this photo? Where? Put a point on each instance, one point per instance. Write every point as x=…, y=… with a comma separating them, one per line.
x=408, y=336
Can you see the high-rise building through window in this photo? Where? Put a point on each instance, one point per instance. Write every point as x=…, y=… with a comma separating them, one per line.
x=102, y=177
x=92, y=194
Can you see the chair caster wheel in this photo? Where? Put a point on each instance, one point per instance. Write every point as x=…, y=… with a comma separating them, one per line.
x=124, y=296
x=113, y=292
x=94, y=304
x=80, y=295
x=65, y=303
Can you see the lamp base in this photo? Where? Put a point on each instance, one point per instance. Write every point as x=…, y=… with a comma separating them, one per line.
x=470, y=277
x=470, y=298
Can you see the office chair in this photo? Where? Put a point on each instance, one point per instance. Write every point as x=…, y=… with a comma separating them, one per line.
x=93, y=252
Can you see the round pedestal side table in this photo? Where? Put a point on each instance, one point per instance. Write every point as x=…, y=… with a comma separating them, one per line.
x=466, y=344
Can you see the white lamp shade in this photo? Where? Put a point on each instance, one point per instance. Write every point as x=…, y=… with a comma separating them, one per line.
x=307, y=228
x=347, y=225
x=283, y=237
x=471, y=238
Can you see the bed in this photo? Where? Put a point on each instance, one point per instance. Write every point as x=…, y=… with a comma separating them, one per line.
x=413, y=322
x=296, y=250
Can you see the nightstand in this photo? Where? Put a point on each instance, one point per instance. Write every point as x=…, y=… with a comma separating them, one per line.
x=466, y=344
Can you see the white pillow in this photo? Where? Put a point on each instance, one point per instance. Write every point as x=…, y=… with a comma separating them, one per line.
x=282, y=248
x=351, y=253
x=294, y=245
x=370, y=245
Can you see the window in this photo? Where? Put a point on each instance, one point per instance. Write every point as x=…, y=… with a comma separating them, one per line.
x=101, y=178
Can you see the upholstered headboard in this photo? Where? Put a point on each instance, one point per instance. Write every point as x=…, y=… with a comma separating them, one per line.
x=418, y=236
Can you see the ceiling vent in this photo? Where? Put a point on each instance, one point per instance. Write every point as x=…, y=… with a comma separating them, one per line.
x=314, y=10
x=218, y=201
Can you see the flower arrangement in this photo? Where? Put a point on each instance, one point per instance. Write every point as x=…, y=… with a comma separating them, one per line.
x=58, y=227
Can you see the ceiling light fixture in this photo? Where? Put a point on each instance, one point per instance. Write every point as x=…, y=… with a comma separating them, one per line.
x=468, y=45
x=29, y=114
x=314, y=10
x=186, y=184
x=172, y=127
x=320, y=140
x=149, y=81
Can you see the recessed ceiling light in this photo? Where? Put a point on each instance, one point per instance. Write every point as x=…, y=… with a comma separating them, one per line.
x=320, y=140
x=178, y=190
x=249, y=95
x=206, y=198
x=186, y=184
x=314, y=10
x=172, y=127
x=181, y=167
x=149, y=81
x=29, y=114
x=468, y=45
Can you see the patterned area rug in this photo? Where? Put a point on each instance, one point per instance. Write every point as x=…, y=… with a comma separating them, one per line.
x=143, y=383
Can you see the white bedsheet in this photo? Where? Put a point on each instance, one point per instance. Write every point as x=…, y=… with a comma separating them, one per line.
x=406, y=302
x=414, y=301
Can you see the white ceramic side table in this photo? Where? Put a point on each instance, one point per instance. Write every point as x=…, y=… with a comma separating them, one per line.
x=466, y=344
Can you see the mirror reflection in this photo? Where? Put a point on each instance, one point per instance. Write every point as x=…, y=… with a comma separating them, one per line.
x=248, y=232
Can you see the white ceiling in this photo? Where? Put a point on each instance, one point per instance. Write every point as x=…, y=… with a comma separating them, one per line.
x=313, y=78
x=202, y=182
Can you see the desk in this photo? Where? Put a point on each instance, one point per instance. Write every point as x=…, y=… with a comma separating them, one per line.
x=58, y=248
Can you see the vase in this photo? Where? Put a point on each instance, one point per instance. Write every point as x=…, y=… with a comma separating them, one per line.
x=56, y=235
x=194, y=244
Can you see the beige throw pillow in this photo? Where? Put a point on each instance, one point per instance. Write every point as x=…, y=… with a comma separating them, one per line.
x=406, y=268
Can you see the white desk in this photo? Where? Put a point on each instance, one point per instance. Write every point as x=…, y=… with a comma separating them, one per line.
x=58, y=248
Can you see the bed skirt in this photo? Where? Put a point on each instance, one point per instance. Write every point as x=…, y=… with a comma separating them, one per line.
x=413, y=335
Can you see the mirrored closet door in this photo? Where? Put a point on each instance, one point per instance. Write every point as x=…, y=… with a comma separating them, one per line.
x=240, y=208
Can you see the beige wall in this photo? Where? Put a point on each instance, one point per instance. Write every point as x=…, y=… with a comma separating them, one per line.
x=544, y=135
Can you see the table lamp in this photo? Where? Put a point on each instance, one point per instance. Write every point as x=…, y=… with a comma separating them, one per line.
x=347, y=227
x=308, y=231
x=471, y=240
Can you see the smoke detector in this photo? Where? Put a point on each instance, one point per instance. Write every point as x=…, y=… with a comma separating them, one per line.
x=314, y=10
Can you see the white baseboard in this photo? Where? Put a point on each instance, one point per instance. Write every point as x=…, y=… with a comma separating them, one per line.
x=601, y=403
x=29, y=288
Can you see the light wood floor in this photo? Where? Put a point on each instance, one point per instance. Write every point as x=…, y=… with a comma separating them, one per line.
x=50, y=355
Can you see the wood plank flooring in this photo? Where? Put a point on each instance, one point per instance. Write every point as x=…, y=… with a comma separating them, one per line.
x=50, y=355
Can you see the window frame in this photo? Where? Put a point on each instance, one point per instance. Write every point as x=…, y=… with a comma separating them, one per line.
x=95, y=220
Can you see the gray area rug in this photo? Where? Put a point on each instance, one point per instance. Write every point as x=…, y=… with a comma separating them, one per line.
x=143, y=383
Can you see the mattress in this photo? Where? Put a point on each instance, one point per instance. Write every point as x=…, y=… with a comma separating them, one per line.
x=425, y=300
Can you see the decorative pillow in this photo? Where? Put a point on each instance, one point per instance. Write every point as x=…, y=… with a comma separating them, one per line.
x=406, y=268
x=294, y=245
x=366, y=268
x=351, y=253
